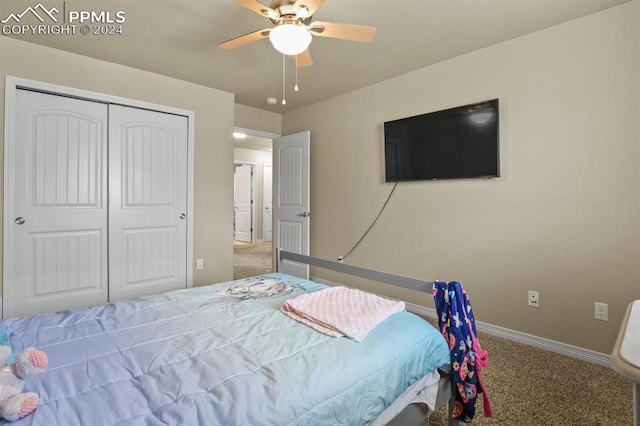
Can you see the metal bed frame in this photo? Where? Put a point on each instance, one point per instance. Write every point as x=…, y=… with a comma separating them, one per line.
x=414, y=414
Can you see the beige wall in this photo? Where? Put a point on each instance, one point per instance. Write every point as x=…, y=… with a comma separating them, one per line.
x=214, y=110
x=252, y=118
x=564, y=217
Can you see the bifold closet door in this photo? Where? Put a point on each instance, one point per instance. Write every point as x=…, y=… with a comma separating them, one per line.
x=147, y=202
x=56, y=225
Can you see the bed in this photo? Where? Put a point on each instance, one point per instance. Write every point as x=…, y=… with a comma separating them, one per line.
x=225, y=354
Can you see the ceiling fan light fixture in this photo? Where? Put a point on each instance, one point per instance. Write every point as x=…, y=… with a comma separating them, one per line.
x=290, y=39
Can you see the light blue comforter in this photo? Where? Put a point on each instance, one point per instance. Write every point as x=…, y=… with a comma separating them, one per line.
x=218, y=355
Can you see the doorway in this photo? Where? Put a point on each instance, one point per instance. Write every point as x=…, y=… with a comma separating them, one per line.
x=252, y=246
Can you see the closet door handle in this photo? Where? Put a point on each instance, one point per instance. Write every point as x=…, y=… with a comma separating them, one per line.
x=20, y=220
x=182, y=215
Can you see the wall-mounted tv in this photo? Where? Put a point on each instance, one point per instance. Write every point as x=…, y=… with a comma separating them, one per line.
x=455, y=143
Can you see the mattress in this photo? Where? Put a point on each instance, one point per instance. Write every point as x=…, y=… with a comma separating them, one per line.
x=222, y=354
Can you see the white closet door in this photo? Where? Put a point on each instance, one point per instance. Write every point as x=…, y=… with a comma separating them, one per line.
x=147, y=202
x=56, y=229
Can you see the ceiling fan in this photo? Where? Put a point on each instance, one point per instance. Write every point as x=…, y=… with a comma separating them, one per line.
x=293, y=30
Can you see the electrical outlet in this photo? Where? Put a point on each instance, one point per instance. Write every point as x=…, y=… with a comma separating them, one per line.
x=534, y=299
x=200, y=264
x=602, y=311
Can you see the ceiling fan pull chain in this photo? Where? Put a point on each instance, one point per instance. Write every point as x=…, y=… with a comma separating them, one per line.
x=296, y=88
x=284, y=101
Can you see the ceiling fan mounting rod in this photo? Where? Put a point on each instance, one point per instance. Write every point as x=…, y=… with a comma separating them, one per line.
x=284, y=6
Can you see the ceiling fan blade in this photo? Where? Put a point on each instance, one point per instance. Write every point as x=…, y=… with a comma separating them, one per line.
x=258, y=7
x=244, y=39
x=307, y=8
x=304, y=59
x=343, y=31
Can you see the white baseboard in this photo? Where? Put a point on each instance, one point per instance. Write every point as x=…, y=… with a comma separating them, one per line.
x=529, y=339
x=516, y=336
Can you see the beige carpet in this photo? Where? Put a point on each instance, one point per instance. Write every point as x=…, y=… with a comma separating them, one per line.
x=251, y=259
x=531, y=386
x=527, y=385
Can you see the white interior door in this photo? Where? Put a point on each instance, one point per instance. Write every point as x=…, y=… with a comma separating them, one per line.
x=55, y=241
x=267, y=202
x=244, y=202
x=148, y=202
x=291, y=158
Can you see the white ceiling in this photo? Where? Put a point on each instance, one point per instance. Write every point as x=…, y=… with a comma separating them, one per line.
x=178, y=38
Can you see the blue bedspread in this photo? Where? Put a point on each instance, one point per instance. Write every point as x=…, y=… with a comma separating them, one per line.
x=218, y=355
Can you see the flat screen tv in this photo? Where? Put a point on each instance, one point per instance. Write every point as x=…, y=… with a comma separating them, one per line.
x=455, y=143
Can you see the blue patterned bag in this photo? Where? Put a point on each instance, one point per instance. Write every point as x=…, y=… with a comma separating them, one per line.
x=457, y=324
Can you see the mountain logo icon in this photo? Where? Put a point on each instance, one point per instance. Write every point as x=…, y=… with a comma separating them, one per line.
x=38, y=11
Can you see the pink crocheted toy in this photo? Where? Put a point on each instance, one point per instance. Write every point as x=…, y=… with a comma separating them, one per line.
x=15, y=404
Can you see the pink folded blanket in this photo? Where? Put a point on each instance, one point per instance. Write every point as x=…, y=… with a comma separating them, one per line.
x=341, y=311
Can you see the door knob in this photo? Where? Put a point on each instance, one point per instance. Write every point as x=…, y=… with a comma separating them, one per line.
x=304, y=214
x=20, y=220
x=182, y=215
